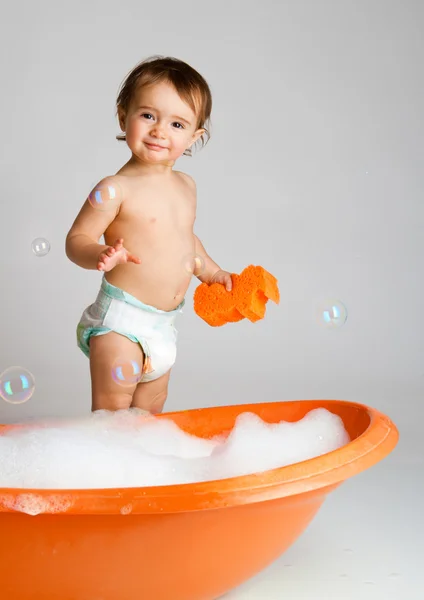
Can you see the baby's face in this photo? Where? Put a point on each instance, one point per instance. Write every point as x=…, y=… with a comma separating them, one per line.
x=159, y=125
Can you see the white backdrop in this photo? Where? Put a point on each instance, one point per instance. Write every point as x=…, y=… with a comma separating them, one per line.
x=314, y=171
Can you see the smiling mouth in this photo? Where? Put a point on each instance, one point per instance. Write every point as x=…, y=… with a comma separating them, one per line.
x=155, y=146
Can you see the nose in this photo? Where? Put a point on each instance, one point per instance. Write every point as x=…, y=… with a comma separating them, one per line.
x=157, y=131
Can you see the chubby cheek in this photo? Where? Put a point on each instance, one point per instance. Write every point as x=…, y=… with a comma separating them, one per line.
x=178, y=148
x=137, y=131
x=180, y=145
x=135, y=137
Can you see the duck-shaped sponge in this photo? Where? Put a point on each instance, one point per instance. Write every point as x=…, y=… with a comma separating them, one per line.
x=250, y=292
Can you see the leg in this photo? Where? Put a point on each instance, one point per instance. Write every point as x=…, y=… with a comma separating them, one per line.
x=107, y=394
x=151, y=395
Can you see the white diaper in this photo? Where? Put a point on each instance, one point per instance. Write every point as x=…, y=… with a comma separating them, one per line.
x=154, y=329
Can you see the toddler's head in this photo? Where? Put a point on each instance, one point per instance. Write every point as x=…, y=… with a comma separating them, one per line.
x=164, y=107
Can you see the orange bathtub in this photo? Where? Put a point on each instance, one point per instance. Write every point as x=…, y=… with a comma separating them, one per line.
x=179, y=542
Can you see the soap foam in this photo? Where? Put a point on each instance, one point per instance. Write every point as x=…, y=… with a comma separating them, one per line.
x=34, y=504
x=127, y=448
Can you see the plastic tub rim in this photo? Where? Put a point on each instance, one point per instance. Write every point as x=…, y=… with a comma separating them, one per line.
x=324, y=471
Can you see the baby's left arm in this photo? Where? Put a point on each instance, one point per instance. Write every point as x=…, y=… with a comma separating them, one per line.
x=208, y=271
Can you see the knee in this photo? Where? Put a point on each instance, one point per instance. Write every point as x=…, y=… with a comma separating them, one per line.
x=111, y=401
x=158, y=402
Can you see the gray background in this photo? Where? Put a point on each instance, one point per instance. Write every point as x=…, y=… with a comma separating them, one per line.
x=314, y=171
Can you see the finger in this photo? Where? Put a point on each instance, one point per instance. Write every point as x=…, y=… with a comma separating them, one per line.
x=228, y=283
x=134, y=259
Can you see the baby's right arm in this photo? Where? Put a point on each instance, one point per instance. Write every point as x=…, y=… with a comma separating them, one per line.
x=82, y=245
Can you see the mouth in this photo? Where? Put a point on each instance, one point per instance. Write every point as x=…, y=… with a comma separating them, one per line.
x=154, y=146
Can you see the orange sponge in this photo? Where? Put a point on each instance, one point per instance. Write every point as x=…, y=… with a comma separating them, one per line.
x=251, y=291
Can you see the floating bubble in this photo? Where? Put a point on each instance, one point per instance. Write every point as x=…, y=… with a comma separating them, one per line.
x=194, y=264
x=16, y=385
x=126, y=372
x=105, y=196
x=199, y=265
x=332, y=314
x=40, y=246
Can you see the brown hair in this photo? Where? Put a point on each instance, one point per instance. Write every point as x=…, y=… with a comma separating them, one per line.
x=189, y=84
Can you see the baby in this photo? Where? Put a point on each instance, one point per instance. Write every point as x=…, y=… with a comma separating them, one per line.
x=146, y=213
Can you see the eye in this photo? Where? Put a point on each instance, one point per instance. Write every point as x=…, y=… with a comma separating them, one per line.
x=179, y=125
x=146, y=115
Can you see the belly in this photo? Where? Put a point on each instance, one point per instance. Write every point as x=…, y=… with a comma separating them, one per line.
x=162, y=278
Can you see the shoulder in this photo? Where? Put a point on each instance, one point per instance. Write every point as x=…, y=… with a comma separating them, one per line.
x=111, y=189
x=115, y=185
x=187, y=178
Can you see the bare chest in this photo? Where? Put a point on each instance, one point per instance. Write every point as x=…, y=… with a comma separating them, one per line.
x=155, y=210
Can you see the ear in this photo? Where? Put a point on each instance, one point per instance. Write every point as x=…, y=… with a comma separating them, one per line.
x=121, y=117
x=197, y=134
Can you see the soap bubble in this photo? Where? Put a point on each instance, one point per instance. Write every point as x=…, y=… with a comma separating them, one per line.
x=40, y=246
x=16, y=385
x=105, y=196
x=332, y=314
x=126, y=372
x=194, y=264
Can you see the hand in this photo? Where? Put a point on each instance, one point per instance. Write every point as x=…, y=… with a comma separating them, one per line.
x=115, y=255
x=223, y=277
